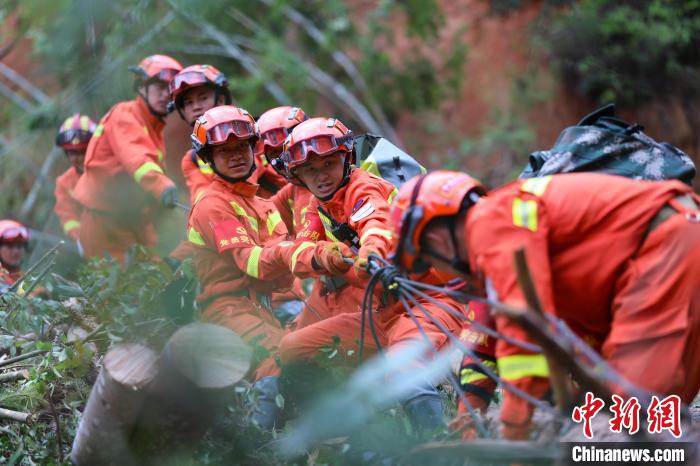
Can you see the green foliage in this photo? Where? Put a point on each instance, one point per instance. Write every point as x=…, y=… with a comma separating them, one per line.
x=616, y=51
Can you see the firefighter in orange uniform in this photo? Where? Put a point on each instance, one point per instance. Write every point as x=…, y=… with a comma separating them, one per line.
x=291, y=200
x=239, y=243
x=194, y=90
x=637, y=301
x=319, y=153
x=14, y=238
x=124, y=179
x=73, y=138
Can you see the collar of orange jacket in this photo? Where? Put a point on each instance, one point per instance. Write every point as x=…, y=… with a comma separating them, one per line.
x=242, y=188
x=157, y=123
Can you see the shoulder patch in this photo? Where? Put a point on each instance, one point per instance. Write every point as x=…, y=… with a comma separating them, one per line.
x=364, y=212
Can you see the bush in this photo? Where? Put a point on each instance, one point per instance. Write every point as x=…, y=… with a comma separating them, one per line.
x=610, y=50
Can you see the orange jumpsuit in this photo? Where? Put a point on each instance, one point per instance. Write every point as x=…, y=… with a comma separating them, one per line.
x=227, y=227
x=123, y=180
x=364, y=204
x=198, y=175
x=68, y=209
x=630, y=292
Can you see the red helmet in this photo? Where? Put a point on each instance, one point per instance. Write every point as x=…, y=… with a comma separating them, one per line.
x=156, y=68
x=218, y=124
x=277, y=123
x=195, y=76
x=13, y=232
x=420, y=200
x=75, y=132
x=321, y=136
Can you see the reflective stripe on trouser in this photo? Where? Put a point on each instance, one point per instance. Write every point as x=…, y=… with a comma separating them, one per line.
x=255, y=326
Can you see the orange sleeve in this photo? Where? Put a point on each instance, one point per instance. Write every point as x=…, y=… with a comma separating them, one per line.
x=283, y=201
x=137, y=153
x=369, y=215
x=217, y=226
x=198, y=176
x=67, y=209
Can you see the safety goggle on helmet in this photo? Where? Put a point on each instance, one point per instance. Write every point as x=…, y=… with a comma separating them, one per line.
x=13, y=232
x=420, y=200
x=219, y=124
x=75, y=132
x=195, y=76
x=156, y=68
x=277, y=123
x=319, y=136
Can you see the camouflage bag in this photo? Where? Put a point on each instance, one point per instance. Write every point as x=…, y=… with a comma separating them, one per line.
x=605, y=144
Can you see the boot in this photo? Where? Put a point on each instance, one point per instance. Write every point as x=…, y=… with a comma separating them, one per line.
x=425, y=413
x=266, y=413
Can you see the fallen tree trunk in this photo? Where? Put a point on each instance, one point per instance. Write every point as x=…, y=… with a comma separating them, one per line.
x=113, y=407
x=15, y=415
x=197, y=371
x=15, y=375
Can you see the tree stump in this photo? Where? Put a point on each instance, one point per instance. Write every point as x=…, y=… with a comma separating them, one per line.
x=198, y=368
x=114, y=406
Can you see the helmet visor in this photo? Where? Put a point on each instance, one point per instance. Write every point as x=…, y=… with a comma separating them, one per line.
x=319, y=145
x=275, y=137
x=165, y=75
x=219, y=134
x=187, y=79
x=15, y=235
x=73, y=137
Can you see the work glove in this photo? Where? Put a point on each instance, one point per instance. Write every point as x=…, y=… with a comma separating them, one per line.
x=168, y=197
x=360, y=265
x=331, y=257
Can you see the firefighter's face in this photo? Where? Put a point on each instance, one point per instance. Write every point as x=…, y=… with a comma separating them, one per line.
x=198, y=100
x=158, y=95
x=323, y=175
x=233, y=158
x=12, y=254
x=76, y=159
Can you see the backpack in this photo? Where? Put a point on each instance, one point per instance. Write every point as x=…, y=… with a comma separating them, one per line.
x=606, y=144
x=380, y=157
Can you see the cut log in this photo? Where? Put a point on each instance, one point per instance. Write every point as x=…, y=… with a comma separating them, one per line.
x=14, y=375
x=198, y=368
x=15, y=415
x=113, y=407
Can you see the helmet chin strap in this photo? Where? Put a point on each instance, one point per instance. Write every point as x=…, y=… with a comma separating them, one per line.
x=231, y=179
x=455, y=262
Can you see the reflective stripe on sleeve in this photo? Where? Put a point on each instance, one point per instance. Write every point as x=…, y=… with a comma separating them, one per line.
x=536, y=186
x=302, y=246
x=253, y=266
x=525, y=214
x=272, y=221
x=240, y=211
x=194, y=237
x=146, y=168
x=375, y=232
x=518, y=366
x=70, y=225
